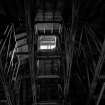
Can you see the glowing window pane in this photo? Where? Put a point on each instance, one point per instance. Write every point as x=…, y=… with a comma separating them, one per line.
x=47, y=42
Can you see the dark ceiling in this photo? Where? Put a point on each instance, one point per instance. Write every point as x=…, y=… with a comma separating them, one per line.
x=91, y=11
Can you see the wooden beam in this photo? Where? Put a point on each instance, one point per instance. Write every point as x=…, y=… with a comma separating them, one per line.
x=101, y=93
x=3, y=80
x=97, y=73
x=8, y=34
x=7, y=86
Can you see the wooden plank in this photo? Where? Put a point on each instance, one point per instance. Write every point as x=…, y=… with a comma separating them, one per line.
x=97, y=73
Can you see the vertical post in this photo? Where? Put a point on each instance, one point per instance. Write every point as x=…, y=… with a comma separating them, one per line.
x=30, y=37
x=17, y=88
x=24, y=92
x=69, y=43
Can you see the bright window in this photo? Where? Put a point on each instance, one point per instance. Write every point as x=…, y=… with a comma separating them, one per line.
x=46, y=42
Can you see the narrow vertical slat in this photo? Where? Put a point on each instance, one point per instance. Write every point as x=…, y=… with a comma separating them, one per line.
x=30, y=41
